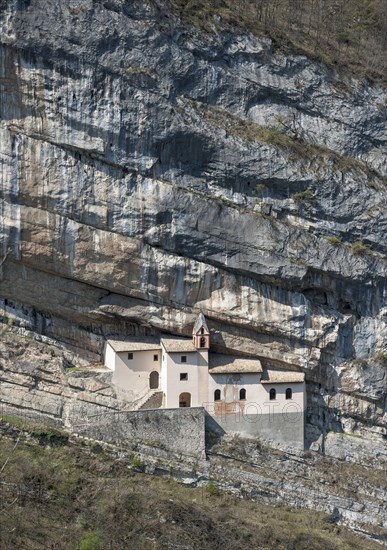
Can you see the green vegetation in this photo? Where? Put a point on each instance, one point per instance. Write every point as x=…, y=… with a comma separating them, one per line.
x=77, y=10
x=342, y=33
x=341, y=474
x=334, y=241
x=75, y=496
x=297, y=148
x=51, y=435
x=136, y=463
x=75, y=369
x=211, y=488
x=136, y=70
x=247, y=130
x=360, y=248
x=90, y=541
x=17, y=422
x=381, y=356
x=37, y=430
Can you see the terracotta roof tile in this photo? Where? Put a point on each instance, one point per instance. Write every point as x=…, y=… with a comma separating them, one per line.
x=230, y=364
x=177, y=344
x=281, y=376
x=137, y=343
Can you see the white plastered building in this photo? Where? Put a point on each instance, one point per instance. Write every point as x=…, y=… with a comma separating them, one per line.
x=238, y=394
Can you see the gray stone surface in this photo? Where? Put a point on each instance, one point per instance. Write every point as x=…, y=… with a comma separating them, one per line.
x=38, y=382
x=353, y=494
x=137, y=188
x=180, y=431
x=286, y=429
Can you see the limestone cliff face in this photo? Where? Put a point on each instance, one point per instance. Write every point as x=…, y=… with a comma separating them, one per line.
x=149, y=172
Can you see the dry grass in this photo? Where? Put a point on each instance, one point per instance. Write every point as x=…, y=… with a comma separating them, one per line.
x=351, y=34
x=298, y=149
x=68, y=496
x=360, y=248
x=334, y=241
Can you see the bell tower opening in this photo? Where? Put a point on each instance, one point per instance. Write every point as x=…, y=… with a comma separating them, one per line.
x=200, y=333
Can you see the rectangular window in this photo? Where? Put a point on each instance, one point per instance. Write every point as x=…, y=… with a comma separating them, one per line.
x=130, y=355
x=183, y=358
x=155, y=357
x=184, y=376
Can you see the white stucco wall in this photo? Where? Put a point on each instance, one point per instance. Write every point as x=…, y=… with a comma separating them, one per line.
x=230, y=384
x=280, y=420
x=132, y=375
x=203, y=377
x=164, y=373
x=257, y=395
x=110, y=357
x=298, y=396
x=196, y=385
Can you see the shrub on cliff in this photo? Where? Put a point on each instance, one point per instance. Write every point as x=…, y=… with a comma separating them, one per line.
x=347, y=33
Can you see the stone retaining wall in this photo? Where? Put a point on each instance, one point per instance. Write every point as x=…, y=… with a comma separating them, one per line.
x=178, y=430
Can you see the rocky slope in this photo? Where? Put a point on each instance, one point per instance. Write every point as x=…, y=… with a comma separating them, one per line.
x=78, y=495
x=38, y=383
x=149, y=171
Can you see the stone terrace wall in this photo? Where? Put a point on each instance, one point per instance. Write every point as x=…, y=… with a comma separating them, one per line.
x=178, y=430
x=282, y=428
x=38, y=383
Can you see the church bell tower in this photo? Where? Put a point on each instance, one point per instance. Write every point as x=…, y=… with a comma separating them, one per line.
x=201, y=334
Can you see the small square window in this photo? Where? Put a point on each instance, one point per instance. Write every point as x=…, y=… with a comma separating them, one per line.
x=183, y=358
x=155, y=357
x=184, y=376
x=130, y=355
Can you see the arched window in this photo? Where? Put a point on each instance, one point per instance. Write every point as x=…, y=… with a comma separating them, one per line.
x=154, y=380
x=217, y=395
x=202, y=330
x=272, y=394
x=185, y=400
x=288, y=393
x=202, y=342
x=242, y=394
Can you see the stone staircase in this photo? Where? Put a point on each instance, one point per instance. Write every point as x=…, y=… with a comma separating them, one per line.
x=154, y=401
